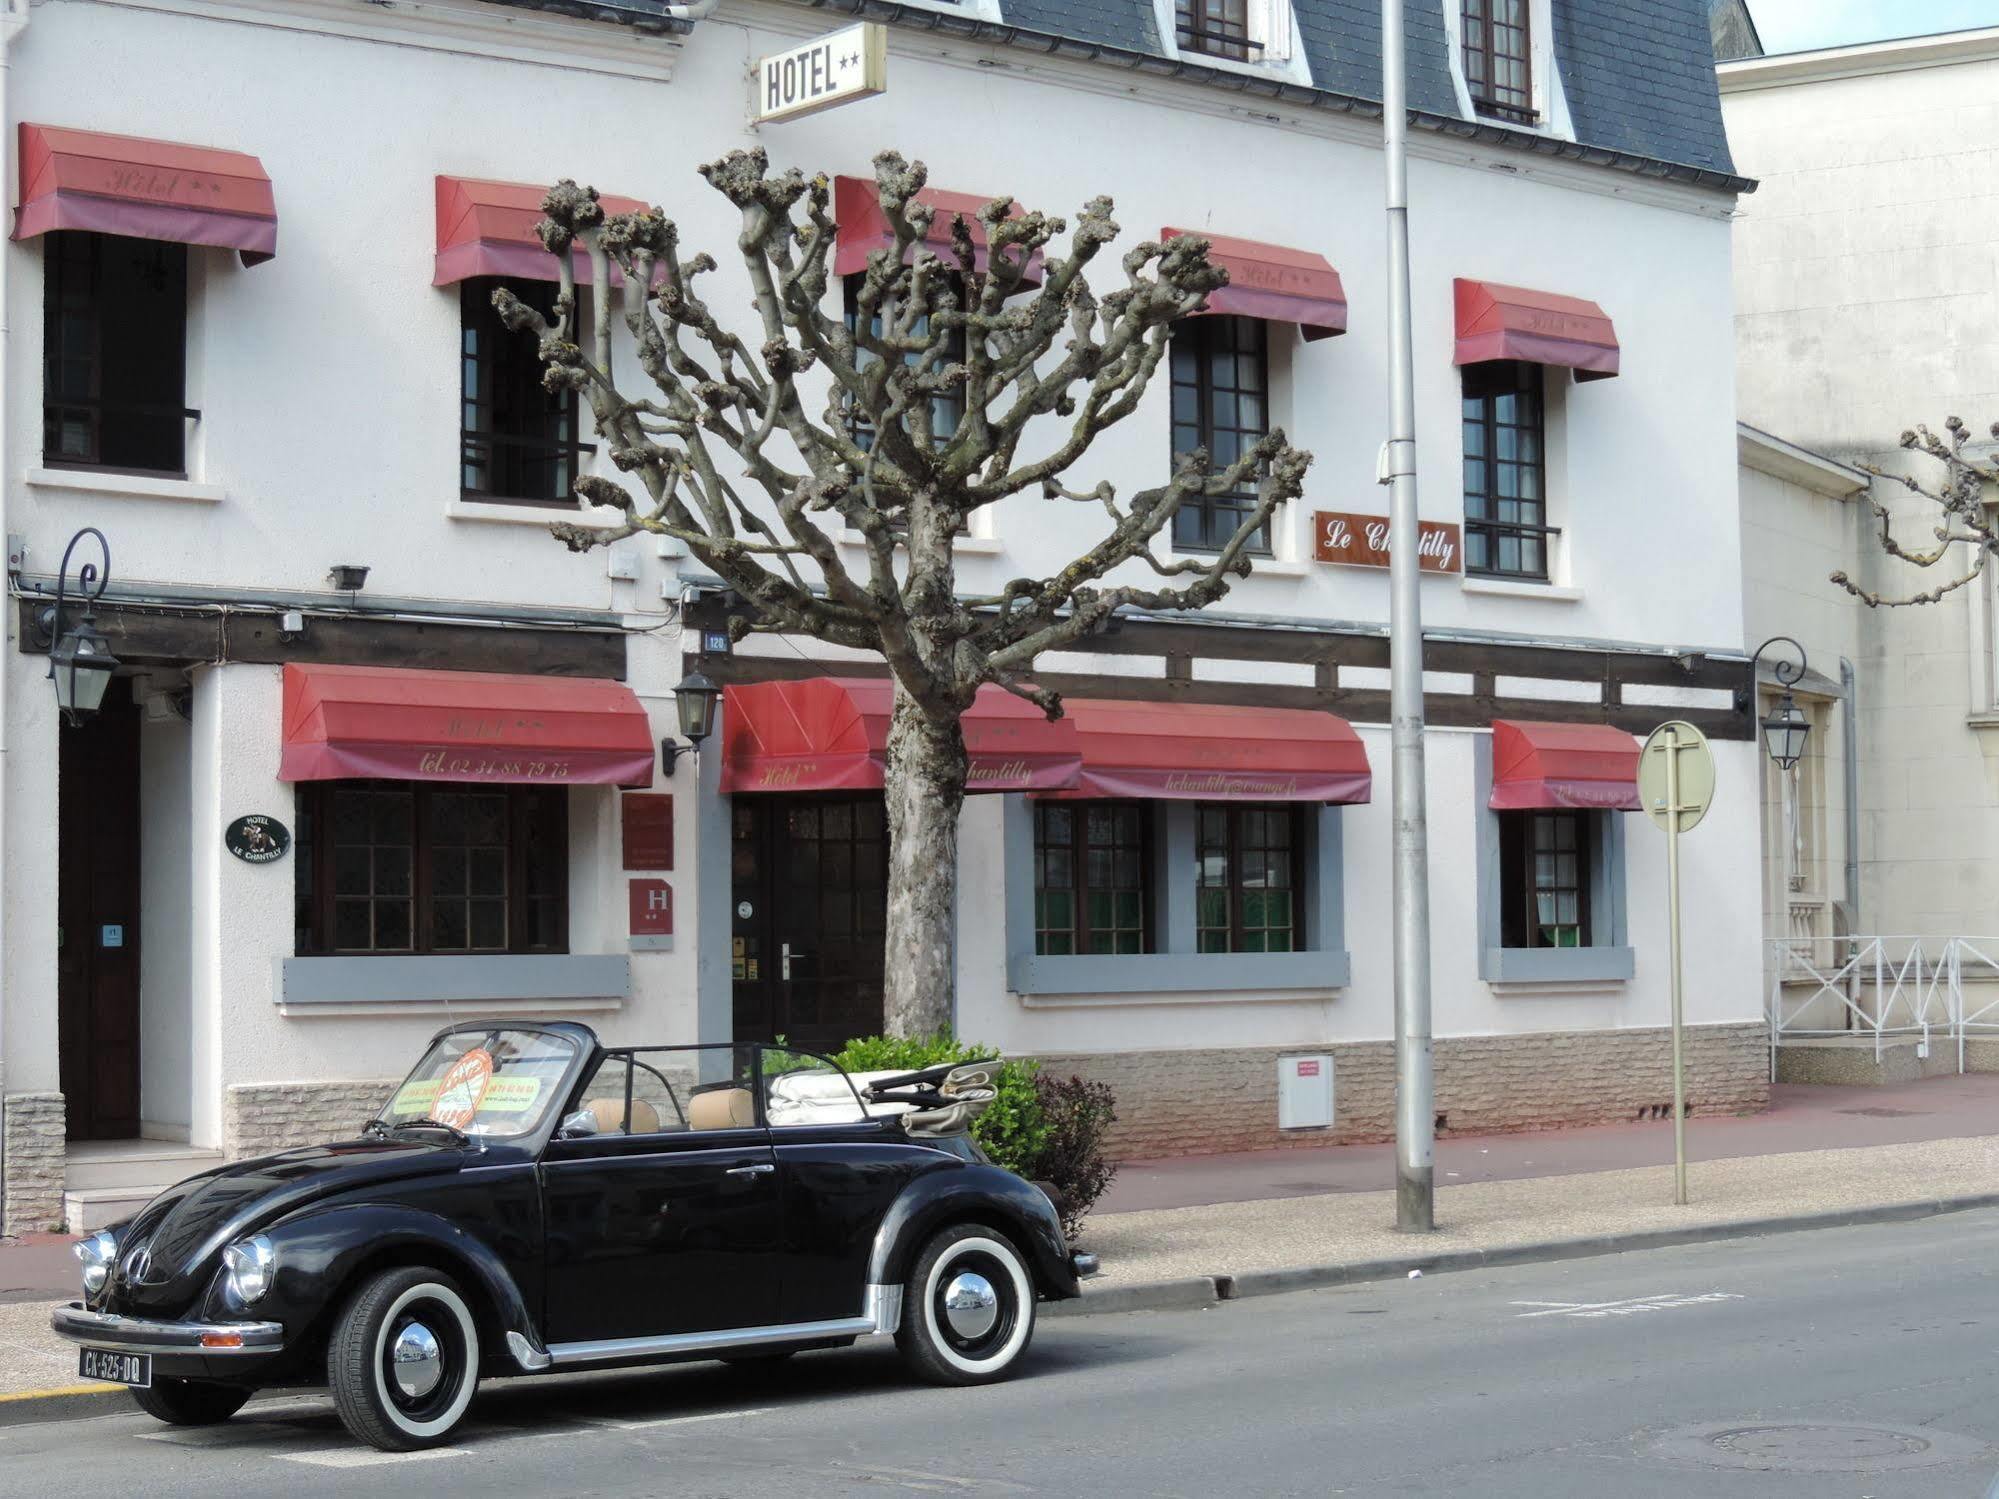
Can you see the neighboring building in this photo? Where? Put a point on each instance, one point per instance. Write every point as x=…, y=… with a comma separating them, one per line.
x=1865, y=305
x=243, y=433
x=1733, y=30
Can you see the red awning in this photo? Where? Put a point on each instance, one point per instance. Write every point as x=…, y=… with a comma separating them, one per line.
x=1211, y=752
x=1507, y=322
x=864, y=228
x=1589, y=765
x=831, y=734
x=124, y=184
x=351, y=721
x=1275, y=284
x=487, y=229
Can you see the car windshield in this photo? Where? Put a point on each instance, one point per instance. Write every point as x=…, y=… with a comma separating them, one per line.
x=490, y=1082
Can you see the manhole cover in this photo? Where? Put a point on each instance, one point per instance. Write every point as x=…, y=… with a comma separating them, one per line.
x=1815, y=1447
x=1880, y=1112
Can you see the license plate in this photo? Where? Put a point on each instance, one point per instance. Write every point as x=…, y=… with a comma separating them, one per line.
x=118, y=1368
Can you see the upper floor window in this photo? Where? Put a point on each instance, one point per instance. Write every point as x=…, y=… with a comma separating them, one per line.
x=1248, y=894
x=114, y=352
x=1216, y=28
x=519, y=439
x=947, y=408
x=1221, y=402
x=416, y=867
x=1092, y=891
x=1498, y=55
x=1506, y=508
x=1544, y=878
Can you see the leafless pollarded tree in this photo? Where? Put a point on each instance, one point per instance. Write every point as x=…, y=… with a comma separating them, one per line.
x=728, y=455
x=1962, y=513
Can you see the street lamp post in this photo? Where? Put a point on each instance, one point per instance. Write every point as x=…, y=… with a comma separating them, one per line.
x=80, y=659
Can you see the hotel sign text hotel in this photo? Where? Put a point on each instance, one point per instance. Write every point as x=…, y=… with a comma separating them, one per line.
x=851, y=63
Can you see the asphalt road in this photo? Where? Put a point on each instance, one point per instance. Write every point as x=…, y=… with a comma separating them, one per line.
x=1739, y=1368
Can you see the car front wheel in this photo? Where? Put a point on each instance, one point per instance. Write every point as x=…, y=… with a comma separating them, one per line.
x=968, y=1307
x=187, y=1402
x=404, y=1359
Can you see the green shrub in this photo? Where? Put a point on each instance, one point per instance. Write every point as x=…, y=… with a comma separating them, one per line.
x=1011, y=1130
x=1076, y=1114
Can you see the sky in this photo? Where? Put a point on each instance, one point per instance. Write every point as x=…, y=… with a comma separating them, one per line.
x=1798, y=25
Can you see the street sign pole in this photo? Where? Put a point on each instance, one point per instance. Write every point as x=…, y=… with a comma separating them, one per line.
x=1673, y=924
x=1676, y=787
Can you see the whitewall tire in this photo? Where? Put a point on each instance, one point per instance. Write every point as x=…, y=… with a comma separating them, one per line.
x=968, y=1307
x=404, y=1359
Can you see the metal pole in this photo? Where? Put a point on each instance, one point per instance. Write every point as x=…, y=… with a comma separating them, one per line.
x=1673, y=926
x=1415, y=1202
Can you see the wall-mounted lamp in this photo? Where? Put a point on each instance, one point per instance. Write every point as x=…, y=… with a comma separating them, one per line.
x=694, y=700
x=1786, y=729
x=347, y=577
x=80, y=659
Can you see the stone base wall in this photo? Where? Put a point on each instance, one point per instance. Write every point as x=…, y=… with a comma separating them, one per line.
x=1201, y=1102
x=259, y=1118
x=32, y=1144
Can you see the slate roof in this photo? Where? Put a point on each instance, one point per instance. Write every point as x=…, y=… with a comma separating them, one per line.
x=1638, y=75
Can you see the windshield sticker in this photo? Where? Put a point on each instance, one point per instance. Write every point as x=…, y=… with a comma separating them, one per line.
x=414, y=1097
x=514, y=1094
x=462, y=1087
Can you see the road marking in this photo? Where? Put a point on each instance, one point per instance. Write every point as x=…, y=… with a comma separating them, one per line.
x=654, y=1425
x=367, y=1457
x=1626, y=1308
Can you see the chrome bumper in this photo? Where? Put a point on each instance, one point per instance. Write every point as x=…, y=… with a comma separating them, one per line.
x=147, y=1335
x=1085, y=1263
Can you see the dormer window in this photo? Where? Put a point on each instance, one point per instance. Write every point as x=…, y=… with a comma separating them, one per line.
x=1498, y=59
x=1216, y=28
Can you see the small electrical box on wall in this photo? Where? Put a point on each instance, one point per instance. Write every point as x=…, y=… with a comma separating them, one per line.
x=1305, y=1092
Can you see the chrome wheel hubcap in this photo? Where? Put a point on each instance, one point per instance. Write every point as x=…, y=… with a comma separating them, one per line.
x=416, y=1361
x=971, y=1305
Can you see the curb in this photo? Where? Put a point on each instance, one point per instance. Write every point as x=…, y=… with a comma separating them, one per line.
x=70, y=1403
x=1210, y=1290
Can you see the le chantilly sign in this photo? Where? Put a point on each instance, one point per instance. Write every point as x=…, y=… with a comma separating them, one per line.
x=1362, y=541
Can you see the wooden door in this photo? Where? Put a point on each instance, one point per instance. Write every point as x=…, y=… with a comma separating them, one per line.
x=97, y=967
x=811, y=893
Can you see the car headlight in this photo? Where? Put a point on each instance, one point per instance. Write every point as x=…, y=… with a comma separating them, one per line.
x=251, y=1264
x=98, y=1253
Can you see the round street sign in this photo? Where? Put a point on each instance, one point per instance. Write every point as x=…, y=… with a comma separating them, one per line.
x=1690, y=746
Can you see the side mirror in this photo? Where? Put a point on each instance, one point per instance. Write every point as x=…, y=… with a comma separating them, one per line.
x=578, y=1126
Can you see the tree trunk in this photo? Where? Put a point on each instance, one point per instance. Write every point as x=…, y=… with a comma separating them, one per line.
x=925, y=787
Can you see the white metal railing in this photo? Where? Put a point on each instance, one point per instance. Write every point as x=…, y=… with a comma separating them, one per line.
x=1930, y=987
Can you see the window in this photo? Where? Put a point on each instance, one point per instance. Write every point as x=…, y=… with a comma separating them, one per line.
x=1506, y=507
x=946, y=409
x=518, y=439
x=1497, y=53
x=1221, y=403
x=114, y=350
x=1216, y=28
x=411, y=867
x=1247, y=897
x=1544, y=863
x=1091, y=891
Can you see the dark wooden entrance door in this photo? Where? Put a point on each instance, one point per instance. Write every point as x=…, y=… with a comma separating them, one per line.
x=810, y=898
x=97, y=964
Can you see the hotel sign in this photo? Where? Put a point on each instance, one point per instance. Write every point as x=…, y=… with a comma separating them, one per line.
x=851, y=63
x=1362, y=541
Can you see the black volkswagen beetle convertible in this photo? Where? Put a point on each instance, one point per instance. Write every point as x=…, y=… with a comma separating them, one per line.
x=533, y=1201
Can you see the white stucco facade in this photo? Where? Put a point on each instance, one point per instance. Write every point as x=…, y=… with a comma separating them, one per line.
x=1866, y=304
x=327, y=383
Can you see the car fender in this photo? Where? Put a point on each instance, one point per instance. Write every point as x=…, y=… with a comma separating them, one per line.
x=320, y=1251
x=974, y=1192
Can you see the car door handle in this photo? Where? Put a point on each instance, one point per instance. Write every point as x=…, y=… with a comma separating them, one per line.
x=757, y=1170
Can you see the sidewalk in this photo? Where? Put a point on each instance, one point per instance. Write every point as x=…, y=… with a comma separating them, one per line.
x=1801, y=1117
